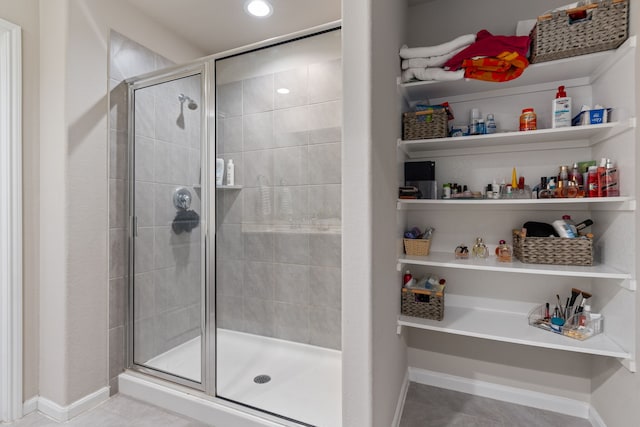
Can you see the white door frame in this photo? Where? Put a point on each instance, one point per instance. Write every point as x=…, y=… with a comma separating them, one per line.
x=10, y=221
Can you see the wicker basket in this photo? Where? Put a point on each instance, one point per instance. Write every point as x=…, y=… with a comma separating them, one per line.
x=426, y=124
x=423, y=303
x=418, y=247
x=552, y=250
x=555, y=36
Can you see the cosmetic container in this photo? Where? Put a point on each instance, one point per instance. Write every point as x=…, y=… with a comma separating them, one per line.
x=611, y=184
x=230, y=173
x=480, y=250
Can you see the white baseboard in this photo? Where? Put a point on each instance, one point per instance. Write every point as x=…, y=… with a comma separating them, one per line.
x=30, y=405
x=562, y=405
x=401, y=398
x=65, y=413
x=595, y=419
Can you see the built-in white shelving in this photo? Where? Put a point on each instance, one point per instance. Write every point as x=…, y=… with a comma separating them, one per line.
x=623, y=203
x=509, y=326
x=541, y=139
x=485, y=317
x=583, y=67
x=448, y=260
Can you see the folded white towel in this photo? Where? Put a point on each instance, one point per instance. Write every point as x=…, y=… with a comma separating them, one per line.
x=441, y=49
x=432, y=61
x=431, y=74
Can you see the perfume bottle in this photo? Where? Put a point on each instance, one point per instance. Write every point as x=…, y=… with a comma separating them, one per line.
x=503, y=251
x=480, y=250
x=462, y=251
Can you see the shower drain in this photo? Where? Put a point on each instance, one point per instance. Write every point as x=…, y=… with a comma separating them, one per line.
x=262, y=379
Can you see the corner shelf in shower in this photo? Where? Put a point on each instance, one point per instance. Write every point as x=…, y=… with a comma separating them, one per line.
x=228, y=187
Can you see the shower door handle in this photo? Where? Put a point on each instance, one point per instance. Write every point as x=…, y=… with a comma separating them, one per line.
x=134, y=226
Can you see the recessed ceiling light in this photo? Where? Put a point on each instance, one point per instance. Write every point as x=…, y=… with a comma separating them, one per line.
x=282, y=91
x=259, y=8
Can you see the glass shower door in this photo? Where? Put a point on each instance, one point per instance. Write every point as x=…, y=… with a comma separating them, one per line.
x=278, y=229
x=166, y=268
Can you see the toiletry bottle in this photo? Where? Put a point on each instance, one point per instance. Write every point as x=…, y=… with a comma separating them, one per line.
x=584, y=318
x=528, y=120
x=563, y=229
x=473, y=121
x=611, y=184
x=582, y=225
x=491, y=124
x=593, y=181
x=446, y=191
x=571, y=223
x=601, y=173
x=481, y=128
x=219, y=171
x=230, y=173
x=563, y=176
x=575, y=175
x=407, y=277
x=561, y=110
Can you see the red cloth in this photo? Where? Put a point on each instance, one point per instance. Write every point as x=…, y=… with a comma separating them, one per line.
x=506, y=66
x=487, y=44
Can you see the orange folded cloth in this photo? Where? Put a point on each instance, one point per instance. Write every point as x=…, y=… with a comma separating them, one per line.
x=506, y=66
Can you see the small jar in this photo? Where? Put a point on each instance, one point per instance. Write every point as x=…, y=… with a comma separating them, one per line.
x=528, y=120
x=446, y=191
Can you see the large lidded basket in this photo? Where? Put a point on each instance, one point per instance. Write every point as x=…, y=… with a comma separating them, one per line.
x=425, y=124
x=579, y=31
x=552, y=250
x=424, y=303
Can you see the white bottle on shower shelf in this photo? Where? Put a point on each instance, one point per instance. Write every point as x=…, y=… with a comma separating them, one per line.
x=230, y=173
x=219, y=171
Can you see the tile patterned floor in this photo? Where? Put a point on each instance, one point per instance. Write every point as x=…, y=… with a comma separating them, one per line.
x=427, y=406
x=119, y=411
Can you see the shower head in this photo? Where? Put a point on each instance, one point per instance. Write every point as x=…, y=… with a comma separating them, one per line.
x=191, y=104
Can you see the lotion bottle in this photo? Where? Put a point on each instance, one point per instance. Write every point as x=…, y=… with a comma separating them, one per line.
x=561, y=110
x=230, y=173
x=219, y=171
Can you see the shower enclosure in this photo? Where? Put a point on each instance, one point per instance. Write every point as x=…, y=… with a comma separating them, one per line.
x=235, y=286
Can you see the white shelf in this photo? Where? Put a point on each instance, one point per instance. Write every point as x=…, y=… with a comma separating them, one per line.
x=585, y=67
x=447, y=259
x=510, y=327
x=228, y=187
x=623, y=203
x=542, y=139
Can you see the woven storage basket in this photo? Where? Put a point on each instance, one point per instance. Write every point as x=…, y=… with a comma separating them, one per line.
x=552, y=250
x=418, y=247
x=426, y=124
x=423, y=303
x=555, y=36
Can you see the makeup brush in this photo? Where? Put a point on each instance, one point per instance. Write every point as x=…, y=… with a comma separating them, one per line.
x=574, y=295
x=585, y=297
x=560, y=306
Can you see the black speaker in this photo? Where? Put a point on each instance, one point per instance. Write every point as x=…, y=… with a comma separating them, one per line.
x=423, y=176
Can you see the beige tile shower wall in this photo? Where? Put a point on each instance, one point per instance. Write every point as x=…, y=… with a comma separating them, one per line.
x=167, y=282
x=279, y=241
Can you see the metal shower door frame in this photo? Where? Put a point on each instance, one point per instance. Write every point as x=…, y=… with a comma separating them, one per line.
x=207, y=376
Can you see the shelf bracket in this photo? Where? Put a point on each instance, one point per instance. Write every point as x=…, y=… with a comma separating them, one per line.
x=631, y=284
x=399, y=331
x=629, y=364
x=399, y=266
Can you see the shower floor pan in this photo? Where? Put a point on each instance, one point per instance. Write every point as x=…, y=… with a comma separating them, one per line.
x=304, y=381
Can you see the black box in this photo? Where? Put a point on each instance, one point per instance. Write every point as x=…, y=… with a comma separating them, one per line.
x=423, y=176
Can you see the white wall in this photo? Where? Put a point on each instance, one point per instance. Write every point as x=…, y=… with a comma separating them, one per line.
x=389, y=349
x=357, y=279
x=374, y=357
x=74, y=108
x=25, y=14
